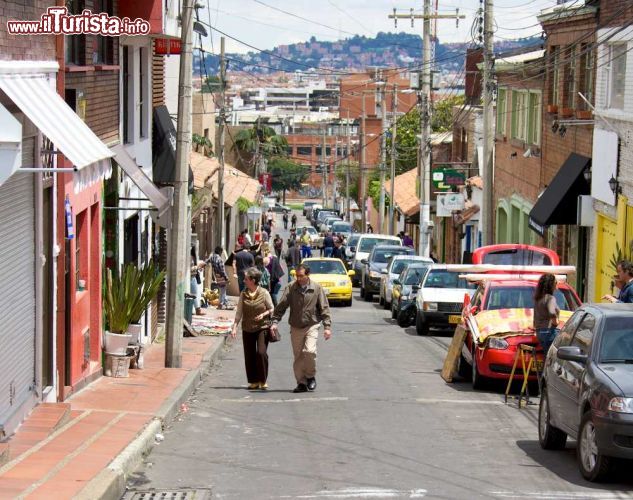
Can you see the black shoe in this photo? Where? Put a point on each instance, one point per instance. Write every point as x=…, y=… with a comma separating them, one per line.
x=301, y=388
x=311, y=384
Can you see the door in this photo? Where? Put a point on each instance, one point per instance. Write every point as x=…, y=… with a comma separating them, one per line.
x=606, y=231
x=47, y=290
x=17, y=299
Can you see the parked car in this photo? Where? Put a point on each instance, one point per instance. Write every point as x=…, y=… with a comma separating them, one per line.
x=493, y=337
x=317, y=211
x=327, y=223
x=315, y=238
x=440, y=298
x=321, y=216
x=279, y=208
x=350, y=249
x=373, y=266
x=342, y=227
x=366, y=242
x=308, y=204
x=333, y=277
x=405, y=288
x=308, y=211
x=587, y=388
x=393, y=270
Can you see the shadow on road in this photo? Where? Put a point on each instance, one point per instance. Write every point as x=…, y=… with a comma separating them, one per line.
x=563, y=463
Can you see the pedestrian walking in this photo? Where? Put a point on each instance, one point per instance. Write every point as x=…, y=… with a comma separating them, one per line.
x=339, y=250
x=219, y=275
x=407, y=241
x=328, y=245
x=242, y=260
x=293, y=221
x=546, y=311
x=309, y=309
x=370, y=229
x=248, y=241
x=293, y=258
x=253, y=311
x=278, y=245
x=285, y=219
x=195, y=280
x=264, y=281
x=624, y=281
x=306, y=245
x=270, y=216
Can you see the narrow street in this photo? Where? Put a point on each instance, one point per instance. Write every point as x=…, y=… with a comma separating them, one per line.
x=381, y=424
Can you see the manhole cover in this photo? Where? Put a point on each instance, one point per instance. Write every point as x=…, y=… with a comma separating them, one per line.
x=198, y=494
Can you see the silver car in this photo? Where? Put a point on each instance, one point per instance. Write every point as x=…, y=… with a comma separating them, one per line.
x=393, y=270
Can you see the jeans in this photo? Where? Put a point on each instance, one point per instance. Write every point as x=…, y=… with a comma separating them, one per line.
x=306, y=251
x=328, y=251
x=240, y=281
x=545, y=337
x=222, y=290
x=275, y=286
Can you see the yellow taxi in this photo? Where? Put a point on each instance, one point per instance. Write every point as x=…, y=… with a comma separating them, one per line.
x=332, y=275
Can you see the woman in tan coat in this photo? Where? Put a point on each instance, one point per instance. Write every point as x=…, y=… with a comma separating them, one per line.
x=253, y=310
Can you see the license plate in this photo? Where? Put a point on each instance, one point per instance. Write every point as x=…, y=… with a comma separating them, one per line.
x=453, y=319
x=539, y=365
x=327, y=291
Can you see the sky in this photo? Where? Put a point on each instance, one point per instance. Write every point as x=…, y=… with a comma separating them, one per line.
x=253, y=22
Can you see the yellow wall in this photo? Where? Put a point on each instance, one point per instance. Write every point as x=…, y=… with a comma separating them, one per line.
x=606, y=229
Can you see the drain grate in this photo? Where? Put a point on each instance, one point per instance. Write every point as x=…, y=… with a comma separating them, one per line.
x=185, y=494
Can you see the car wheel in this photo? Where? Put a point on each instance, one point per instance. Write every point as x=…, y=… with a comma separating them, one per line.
x=594, y=466
x=348, y=303
x=463, y=368
x=381, y=299
x=385, y=304
x=394, y=311
x=368, y=296
x=403, y=319
x=421, y=327
x=362, y=291
x=550, y=437
x=478, y=380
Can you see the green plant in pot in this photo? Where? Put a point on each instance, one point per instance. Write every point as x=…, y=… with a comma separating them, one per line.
x=126, y=299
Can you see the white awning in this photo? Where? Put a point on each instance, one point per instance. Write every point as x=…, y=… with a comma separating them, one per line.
x=144, y=183
x=29, y=87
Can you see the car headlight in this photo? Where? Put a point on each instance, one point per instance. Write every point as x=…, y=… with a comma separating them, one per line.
x=621, y=405
x=430, y=306
x=374, y=274
x=342, y=283
x=405, y=297
x=497, y=343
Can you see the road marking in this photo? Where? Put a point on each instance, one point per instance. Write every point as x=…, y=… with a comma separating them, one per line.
x=461, y=401
x=564, y=495
x=293, y=400
x=364, y=493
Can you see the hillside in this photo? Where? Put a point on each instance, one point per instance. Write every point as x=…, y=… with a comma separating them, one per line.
x=355, y=53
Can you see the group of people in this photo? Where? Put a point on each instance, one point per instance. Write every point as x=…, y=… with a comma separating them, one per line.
x=546, y=310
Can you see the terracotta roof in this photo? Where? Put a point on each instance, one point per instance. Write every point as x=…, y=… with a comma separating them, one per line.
x=405, y=192
x=203, y=168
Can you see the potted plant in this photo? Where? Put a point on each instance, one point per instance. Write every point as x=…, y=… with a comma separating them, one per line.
x=126, y=298
x=552, y=108
x=584, y=114
x=566, y=112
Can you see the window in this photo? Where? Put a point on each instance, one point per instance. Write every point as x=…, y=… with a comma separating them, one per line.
x=554, y=77
x=564, y=338
x=570, y=78
x=143, y=92
x=584, y=334
x=501, y=111
x=616, y=75
x=104, y=45
x=304, y=150
x=127, y=81
x=75, y=44
x=534, y=119
x=526, y=116
x=587, y=64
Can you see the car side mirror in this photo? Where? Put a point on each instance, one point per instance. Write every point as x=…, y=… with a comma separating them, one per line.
x=572, y=353
x=384, y=271
x=415, y=288
x=364, y=261
x=351, y=272
x=474, y=309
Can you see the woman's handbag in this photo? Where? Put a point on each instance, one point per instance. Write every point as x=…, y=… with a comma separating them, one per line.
x=273, y=336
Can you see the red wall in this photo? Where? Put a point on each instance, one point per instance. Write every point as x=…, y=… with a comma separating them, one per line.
x=150, y=10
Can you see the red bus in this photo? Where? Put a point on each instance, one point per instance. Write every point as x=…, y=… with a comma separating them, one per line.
x=515, y=255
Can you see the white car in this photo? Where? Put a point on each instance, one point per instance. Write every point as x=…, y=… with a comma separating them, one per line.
x=440, y=299
x=366, y=242
x=315, y=237
x=393, y=270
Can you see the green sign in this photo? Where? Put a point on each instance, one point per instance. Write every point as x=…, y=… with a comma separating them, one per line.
x=446, y=178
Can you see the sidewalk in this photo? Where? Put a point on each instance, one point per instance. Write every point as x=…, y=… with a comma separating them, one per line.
x=86, y=446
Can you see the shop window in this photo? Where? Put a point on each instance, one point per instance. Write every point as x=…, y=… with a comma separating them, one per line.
x=104, y=45
x=75, y=44
x=616, y=71
x=501, y=111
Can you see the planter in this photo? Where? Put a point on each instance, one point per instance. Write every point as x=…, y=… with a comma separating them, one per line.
x=566, y=112
x=584, y=114
x=552, y=108
x=135, y=330
x=116, y=343
x=117, y=366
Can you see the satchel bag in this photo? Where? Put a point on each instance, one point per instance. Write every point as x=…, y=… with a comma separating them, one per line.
x=273, y=336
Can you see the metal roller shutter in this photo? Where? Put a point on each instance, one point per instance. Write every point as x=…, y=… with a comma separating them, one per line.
x=17, y=293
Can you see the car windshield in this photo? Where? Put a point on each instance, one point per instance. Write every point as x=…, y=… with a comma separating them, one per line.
x=326, y=267
x=341, y=227
x=383, y=256
x=369, y=242
x=441, y=278
x=518, y=297
x=414, y=275
x=400, y=264
x=324, y=215
x=617, y=340
x=517, y=257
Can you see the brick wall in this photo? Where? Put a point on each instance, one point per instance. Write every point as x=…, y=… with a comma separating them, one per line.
x=615, y=12
x=158, y=80
x=34, y=48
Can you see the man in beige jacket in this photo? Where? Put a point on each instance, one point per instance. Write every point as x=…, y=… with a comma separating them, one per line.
x=308, y=309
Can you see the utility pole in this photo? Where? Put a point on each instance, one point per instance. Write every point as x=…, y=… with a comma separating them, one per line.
x=362, y=170
x=382, y=99
x=221, y=124
x=394, y=128
x=334, y=202
x=179, y=253
x=324, y=170
x=349, y=152
x=488, y=177
x=424, y=164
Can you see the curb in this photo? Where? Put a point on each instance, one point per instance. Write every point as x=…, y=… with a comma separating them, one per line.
x=110, y=483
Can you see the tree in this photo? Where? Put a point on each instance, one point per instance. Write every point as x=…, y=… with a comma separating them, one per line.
x=260, y=143
x=354, y=175
x=286, y=175
x=202, y=143
x=211, y=84
x=443, y=113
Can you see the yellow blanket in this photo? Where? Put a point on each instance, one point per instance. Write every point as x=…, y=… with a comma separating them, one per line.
x=507, y=323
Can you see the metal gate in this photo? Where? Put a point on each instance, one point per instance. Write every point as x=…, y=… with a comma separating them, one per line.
x=17, y=298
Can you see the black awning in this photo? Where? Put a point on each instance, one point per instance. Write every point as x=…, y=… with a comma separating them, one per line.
x=164, y=149
x=559, y=202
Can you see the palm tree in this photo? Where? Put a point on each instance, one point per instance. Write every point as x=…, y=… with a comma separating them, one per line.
x=259, y=143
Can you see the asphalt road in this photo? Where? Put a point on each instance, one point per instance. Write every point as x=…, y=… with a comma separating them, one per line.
x=381, y=424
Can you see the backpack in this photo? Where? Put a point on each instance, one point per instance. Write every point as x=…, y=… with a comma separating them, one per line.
x=264, y=282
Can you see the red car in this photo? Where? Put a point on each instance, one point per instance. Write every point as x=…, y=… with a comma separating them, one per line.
x=497, y=319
